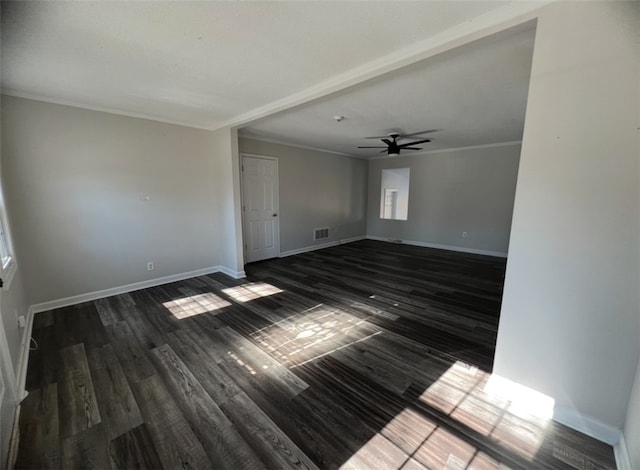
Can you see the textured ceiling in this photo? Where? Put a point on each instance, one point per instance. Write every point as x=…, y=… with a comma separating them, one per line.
x=476, y=94
x=206, y=63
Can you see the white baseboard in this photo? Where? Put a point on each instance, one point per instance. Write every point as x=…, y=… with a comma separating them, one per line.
x=544, y=406
x=76, y=299
x=21, y=376
x=353, y=239
x=463, y=249
x=320, y=246
x=587, y=425
x=621, y=452
x=305, y=249
x=232, y=273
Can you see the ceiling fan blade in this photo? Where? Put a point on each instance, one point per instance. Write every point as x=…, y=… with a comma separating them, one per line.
x=411, y=148
x=428, y=131
x=404, y=146
x=386, y=141
x=378, y=136
x=401, y=135
x=376, y=147
x=385, y=151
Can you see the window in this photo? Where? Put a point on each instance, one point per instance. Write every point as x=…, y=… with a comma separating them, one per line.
x=7, y=260
x=390, y=210
x=394, y=192
x=5, y=254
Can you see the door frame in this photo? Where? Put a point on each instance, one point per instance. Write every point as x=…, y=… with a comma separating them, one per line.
x=242, y=200
x=8, y=396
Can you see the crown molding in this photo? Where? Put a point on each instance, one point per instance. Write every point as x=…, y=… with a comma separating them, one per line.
x=253, y=137
x=289, y=144
x=118, y=112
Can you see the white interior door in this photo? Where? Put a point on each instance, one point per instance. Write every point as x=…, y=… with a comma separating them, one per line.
x=260, y=208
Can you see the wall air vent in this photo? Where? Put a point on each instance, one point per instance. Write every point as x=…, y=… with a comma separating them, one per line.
x=320, y=233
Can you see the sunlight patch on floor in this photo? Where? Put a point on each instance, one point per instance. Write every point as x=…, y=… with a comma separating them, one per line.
x=312, y=334
x=411, y=441
x=524, y=400
x=251, y=291
x=468, y=395
x=336, y=349
x=195, y=305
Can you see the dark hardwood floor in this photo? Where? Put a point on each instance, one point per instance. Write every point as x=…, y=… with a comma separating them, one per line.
x=365, y=355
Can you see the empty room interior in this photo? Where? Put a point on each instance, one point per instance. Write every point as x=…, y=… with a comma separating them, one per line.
x=356, y=235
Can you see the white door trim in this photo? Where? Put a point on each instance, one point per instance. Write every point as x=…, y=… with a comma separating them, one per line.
x=242, y=193
x=8, y=395
x=10, y=381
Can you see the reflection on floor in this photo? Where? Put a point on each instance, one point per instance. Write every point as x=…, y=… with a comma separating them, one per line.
x=366, y=355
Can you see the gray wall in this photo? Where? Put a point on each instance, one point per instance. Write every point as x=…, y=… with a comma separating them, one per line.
x=452, y=192
x=317, y=189
x=74, y=180
x=570, y=318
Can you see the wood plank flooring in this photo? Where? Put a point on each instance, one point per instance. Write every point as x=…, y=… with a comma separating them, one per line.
x=365, y=355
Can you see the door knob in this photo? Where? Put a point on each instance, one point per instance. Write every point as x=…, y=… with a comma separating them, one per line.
x=275, y=215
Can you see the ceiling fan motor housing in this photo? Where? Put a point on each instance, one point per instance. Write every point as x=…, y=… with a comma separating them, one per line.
x=393, y=147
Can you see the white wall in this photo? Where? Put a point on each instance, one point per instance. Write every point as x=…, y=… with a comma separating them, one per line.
x=74, y=180
x=569, y=325
x=229, y=221
x=452, y=192
x=317, y=189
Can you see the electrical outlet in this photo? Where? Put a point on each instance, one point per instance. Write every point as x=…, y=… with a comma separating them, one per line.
x=150, y=266
x=22, y=321
x=464, y=234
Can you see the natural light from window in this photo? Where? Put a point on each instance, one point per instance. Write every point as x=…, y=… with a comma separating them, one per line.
x=472, y=397
x=411, y=440
x=7, y=260
x=195, y=305
x=5, y=254
x=251, y=291
x=394, y=194
x=312, y=334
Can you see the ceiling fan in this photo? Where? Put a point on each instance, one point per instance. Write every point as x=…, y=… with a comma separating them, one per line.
x=393, y=147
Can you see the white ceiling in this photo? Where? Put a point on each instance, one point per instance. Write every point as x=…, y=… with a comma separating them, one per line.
x=207, y=63
x=476, y=94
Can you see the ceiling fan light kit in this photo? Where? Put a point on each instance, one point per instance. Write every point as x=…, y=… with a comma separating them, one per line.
x=393, y=148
